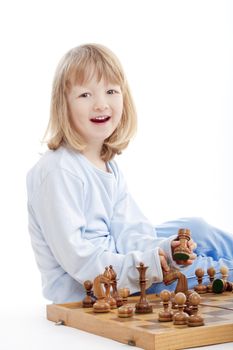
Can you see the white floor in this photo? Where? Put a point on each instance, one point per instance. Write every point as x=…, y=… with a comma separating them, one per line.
x=28, y=329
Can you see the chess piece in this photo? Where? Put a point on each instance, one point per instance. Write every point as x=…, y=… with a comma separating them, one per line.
x=100, y=305
x=89, y=299
x=166, y=314
x=195, y=319
x=124, y=293
x=222, y=285
x=115, y=294
x=110, y=300
x=200, y=288
x=170, y=276
x=211, y=272
x=188, y=307
x=125, y=311
x=142, y=307
x=173, y=275
x=174, y=305
x=182, y=252
x=180, y=317
x=224, y=271
x=182, y=284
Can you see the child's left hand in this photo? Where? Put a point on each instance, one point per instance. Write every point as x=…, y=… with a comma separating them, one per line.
x=191, y=245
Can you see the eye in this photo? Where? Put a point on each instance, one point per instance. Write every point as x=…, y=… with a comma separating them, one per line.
x=85, y=94
x=112, y=92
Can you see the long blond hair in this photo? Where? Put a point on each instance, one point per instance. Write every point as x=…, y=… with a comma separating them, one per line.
x=79, y=65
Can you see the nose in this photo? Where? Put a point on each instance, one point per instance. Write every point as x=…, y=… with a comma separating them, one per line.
x=100, y=104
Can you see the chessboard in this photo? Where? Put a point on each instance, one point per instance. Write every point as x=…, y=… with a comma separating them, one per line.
x=145, y=331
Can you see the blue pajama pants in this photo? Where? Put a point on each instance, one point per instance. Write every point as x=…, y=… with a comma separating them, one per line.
x=214, y=248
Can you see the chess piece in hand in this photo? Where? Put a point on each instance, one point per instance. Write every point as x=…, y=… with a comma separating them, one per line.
x=183, y=247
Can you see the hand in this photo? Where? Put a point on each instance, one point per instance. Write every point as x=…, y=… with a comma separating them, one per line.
x=163, y=260
x=191, y=245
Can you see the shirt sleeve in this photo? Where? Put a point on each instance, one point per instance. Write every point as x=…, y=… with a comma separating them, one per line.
x=58, y=208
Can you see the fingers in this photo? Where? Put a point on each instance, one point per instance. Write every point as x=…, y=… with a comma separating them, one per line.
x=163, y=260
x=192, y=245
x=175, y=244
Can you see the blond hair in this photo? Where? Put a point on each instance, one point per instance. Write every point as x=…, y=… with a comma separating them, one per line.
x=79, y=65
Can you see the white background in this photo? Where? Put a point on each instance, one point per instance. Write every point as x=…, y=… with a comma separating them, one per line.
x=178, y=56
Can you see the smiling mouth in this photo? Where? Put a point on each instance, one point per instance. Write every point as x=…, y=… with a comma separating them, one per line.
x=100, y=119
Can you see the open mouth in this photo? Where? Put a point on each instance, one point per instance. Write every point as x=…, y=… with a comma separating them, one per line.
x=100, y=119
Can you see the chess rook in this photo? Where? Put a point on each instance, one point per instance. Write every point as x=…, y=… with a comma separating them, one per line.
x=182, y=252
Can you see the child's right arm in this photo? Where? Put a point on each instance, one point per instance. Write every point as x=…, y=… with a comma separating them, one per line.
x=57, y=223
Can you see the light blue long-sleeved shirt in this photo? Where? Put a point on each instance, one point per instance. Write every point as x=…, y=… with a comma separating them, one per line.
x=82, y=219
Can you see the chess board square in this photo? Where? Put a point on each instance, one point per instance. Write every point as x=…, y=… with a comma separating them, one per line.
x=219, y=312
x=214, y=319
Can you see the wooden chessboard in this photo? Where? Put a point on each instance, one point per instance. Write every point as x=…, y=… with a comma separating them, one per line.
x=145, y=331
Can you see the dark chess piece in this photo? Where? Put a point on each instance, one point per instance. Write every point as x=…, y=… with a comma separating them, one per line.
x=222, y=285
x=182, y=252
x=211, y=272
x=195, y=320
x=142, y=307
x=89, y=299
x=180, y=317
x=166, y=314
x=200, y=288
x=115, y=294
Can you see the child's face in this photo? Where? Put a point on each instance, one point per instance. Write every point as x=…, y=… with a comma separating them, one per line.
x=95, y=109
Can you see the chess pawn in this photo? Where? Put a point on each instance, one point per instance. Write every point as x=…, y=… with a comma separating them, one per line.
x=188, y=308
x=124, y=293
x=174, y=305
x=222, y=285
x=110, y=300
x=142, y=306
x=180, y=317
x=166, y=314
x=182, y=252
x=89, y=299
x=115, y=294
x=224, y=271
x=125, y=311
x=195, y=319
x=200, y=288
x=211, y=272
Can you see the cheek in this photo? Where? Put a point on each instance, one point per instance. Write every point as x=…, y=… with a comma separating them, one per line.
x=77, y=113
x=119, y=108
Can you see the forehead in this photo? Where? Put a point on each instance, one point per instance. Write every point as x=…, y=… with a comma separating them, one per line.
x=86, y=73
